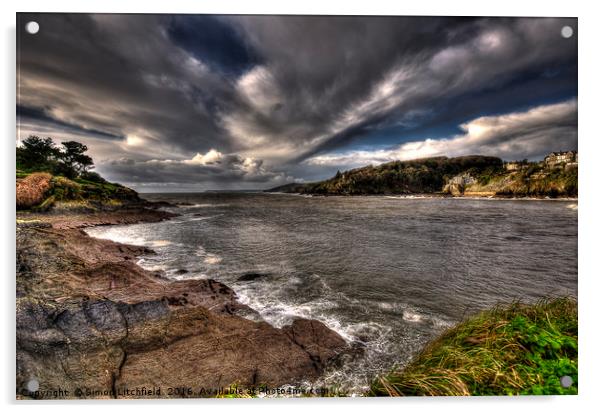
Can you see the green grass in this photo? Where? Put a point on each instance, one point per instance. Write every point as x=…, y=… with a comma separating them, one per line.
x=45, y=205
x=21, y=174
x=82, y=191
x=510, y=350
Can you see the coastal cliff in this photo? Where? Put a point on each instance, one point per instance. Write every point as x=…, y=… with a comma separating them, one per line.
x=461, y=176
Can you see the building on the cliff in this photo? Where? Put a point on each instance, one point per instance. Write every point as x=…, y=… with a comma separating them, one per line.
x=458, y=184
x=514, y=166
x=569, y=158
x=462, y=179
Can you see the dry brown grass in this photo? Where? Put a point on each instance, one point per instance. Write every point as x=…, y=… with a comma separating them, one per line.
x=32, y=189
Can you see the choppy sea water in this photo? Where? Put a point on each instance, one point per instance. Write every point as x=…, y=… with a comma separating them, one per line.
x=389, y=273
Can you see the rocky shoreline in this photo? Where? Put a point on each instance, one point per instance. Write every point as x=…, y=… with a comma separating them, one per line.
x=93, y=324
x=469, y=196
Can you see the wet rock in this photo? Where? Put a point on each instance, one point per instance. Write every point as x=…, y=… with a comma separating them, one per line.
x=251, y=276
x=88, y=316
x=160, y=204
x=321, y=343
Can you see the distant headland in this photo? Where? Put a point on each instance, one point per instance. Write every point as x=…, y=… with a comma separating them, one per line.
x=474, y=175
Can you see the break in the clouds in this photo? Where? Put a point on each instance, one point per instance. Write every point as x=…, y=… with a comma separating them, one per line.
x=209, y=102
x=528, y=134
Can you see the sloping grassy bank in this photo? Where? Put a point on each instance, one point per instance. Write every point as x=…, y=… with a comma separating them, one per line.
x=511, y=350
x=40, y=191
x=474, y=175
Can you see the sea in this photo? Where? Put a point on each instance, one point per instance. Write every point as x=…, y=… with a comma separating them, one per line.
x=388, y=273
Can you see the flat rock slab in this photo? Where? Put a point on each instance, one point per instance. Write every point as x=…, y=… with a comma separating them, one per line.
x=89, y=318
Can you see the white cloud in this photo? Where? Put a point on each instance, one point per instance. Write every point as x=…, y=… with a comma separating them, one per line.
x=211, y=157
x=213, y=166
x=518, y=135
x=259, y=88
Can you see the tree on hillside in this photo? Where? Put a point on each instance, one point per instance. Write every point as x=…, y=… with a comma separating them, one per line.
x=73, y=160
x=40, y=154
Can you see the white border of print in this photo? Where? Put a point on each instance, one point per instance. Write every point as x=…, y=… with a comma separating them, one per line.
x=589, y=218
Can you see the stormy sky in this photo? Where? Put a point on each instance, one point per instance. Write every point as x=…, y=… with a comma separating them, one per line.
x=197, y=102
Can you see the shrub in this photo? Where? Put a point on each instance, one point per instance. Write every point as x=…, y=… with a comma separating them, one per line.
x=65, y=189
x=46, y=205
x=32, y=189
x=92, y=177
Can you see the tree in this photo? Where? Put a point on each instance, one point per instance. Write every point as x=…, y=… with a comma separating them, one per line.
x=73, y=159
x=37, y=154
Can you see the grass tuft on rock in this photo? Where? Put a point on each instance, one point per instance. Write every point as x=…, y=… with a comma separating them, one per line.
x=517, y=349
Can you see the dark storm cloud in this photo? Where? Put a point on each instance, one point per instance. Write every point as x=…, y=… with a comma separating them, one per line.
x=373, y=71
x=121, y=73
x=284, y=92
x=41, y=117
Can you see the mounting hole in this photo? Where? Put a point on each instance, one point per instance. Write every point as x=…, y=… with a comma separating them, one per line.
x=566, y=381
x=32, y=27
x=566, y=32
x=33, y=385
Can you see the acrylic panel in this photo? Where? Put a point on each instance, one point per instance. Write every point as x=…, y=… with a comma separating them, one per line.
x=295, y=206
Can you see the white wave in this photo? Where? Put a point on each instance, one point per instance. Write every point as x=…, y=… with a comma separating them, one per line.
x=208, y=257
x=272, y=308
x=265, y=300
x=159, y=243
x=202, y=206
x=407, y=196
x=212, y=259
x=116, y=234
x=412, y=316
x=199, y=219
x=149, y=266
x=126, y=235
x=441, y=324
